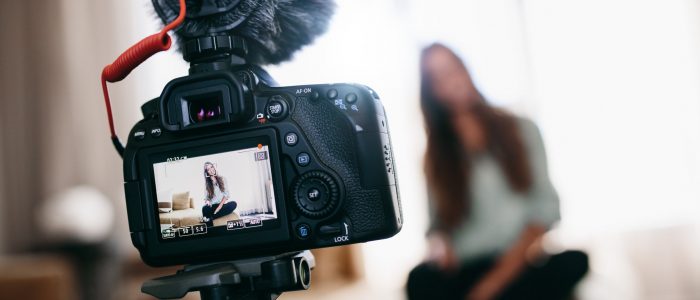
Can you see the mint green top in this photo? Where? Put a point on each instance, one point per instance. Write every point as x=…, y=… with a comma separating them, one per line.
x=498, y=213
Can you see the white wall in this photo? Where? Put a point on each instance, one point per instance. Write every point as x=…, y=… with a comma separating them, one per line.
x=613, y=86
x=617, y=85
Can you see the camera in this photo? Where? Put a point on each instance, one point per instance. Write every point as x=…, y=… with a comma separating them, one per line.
x=226, y=165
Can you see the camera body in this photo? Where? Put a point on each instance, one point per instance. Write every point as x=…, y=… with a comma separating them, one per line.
x=224, y=166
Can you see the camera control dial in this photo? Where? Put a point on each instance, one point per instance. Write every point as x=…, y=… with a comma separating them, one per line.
x=316, y=194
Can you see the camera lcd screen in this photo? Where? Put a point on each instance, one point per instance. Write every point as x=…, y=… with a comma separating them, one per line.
x=215, y=194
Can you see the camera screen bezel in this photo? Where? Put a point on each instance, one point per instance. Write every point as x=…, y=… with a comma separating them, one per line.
x=258, y=237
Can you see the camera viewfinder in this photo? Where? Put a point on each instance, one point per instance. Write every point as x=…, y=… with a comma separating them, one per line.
x=204, y=107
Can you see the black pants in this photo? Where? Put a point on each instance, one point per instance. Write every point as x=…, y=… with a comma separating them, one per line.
x=555, y=279
x=208, y=211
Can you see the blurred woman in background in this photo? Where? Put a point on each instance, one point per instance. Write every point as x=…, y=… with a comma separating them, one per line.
x=490, y=197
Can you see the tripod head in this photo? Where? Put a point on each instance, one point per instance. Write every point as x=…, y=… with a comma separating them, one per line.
x=250, y=279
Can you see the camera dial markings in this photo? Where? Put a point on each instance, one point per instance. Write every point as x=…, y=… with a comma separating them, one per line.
x=339, y=103
x=185, y=231
x=276, y=108
x=303, y=91
x=303, y=159
x=303, y=231
x=156, y=132
x=199, y=228
x=261, y=118
x=168, y=233
x=140, y=134
x=314, y=194
x=235, y=225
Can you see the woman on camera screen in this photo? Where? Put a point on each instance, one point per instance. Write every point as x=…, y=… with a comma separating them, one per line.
x=491, y=199
x=216, y=202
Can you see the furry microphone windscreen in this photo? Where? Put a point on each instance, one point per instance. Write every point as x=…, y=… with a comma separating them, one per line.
x=274, y=29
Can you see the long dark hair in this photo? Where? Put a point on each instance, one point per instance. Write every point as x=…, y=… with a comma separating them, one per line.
x=210, y=183
x=447, y=164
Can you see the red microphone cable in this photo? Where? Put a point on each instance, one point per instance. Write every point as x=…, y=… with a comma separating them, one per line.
x=132, y=58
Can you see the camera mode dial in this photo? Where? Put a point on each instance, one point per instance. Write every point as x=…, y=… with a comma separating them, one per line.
x=316, y=194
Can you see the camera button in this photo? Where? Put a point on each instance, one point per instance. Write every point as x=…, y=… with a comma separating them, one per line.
x=351, y=98
x=303, y=231
x=140, y=134
x=156, y=132
x=276, y=108
x=332, y=93
x=331, y=229
x=303, y=159
x=314, y=194
x=291, y=139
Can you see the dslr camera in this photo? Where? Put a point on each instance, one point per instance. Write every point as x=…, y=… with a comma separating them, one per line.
x=227, y=165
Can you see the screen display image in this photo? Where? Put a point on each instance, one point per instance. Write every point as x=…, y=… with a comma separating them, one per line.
x=223, y=192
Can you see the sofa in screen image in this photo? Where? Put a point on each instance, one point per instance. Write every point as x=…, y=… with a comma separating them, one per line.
x=181, y=211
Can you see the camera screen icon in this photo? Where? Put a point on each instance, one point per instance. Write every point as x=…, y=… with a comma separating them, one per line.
x=168, y=233
x=235, y=225
x=262, y=155
x=199, y=228
x=253, y=222
x=185, y=230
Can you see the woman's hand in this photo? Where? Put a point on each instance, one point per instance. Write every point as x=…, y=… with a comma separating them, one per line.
x=441, y=252
x=207, y=202
x=221, y=204
x=487, y=288
x=509, y=266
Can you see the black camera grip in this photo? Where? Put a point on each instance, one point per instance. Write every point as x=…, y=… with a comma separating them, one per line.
x=333, y=138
